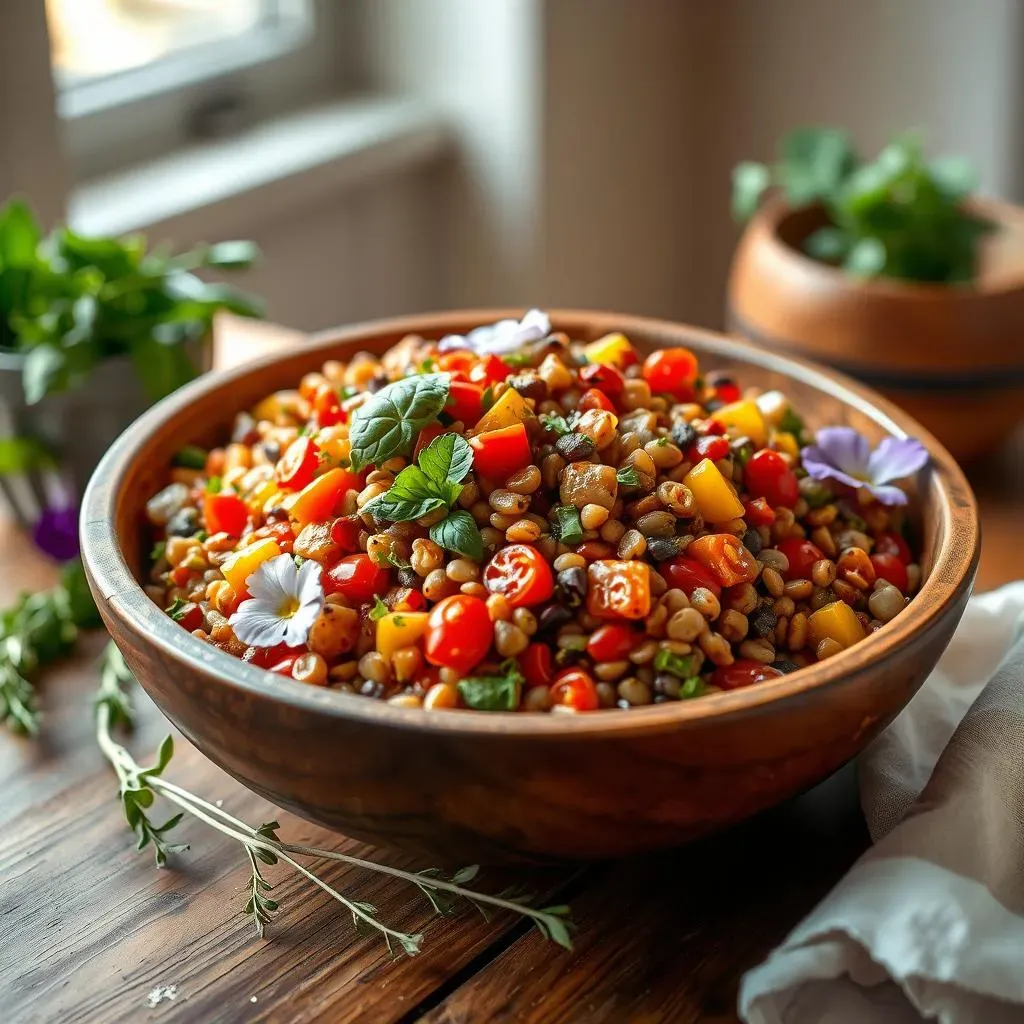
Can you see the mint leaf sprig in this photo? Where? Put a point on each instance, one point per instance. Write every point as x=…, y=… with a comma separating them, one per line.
x=434, y=484
x=139, y=788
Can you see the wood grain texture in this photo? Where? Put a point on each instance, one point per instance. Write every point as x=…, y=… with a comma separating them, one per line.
x=88, y=926
x=912, y=333
x=482, y=787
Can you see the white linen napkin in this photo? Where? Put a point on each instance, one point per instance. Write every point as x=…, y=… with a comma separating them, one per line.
x=929, y=923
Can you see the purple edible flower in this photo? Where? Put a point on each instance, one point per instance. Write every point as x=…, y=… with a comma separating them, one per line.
x=56, y=532
x=501, y=338
x=844, y=455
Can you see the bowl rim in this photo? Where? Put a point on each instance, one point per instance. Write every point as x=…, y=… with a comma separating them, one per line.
x=115, y=586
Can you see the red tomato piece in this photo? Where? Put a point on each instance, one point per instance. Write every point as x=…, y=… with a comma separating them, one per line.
x=298, y=465
x=500, y=453
x=491, y=370
x=225, y=513
x=612, y=642
x=726, y=390
x=618, y=589
x=725, y=557
x=890, y=543
x=356, y=577
x=758, y=512
x=890, y=568
x=594, y=399
x=181, y=575
x=521, y=574
x=461, y=360
x=327, y=407
x=265, y=657
x=190, y=617
x=768, y=475
x=605, y=378
x=742, y=673
x=714, y=427
x=405, y=599
x=285, y=665
x=802, y=555
x=465, y=402
x=574, y=689
x=710, y=446
x=345, y=532
x=425, y=436
x=537, y=665
x=687, y=575
x=671, y=371
x=459, y=633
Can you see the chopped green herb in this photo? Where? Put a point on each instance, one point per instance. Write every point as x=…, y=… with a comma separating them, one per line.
x=691, y=687
x=427, y=366
x=791, y=423
x=202, y=535
x=566, y=525
x=214, y=485
x=661, y=442
x=191, y=457
x=494, y=693
x=158, y=552
x=556, y=424
x=627, y=477
x=379, y=610
x=178, y=609
x=679, y=665
x=518, y=359
x=487, y=399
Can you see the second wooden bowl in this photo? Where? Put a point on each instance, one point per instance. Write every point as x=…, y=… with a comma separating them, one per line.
x=461, y=785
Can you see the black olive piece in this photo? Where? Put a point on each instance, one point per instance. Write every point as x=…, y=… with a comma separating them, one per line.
x=552, y=617
x=572, y=586
x=785, y=665
x=409, y=578
x=661, y=549
x=763, y=621
x=575, y=447
x=683, y=435
x=184, y=523
x=752, y=542
x=529, y=387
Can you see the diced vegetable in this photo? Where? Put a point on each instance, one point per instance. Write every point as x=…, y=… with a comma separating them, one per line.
x=459, y=632
x=225, y=513
x=567, y=525
x=837, y=621
x=618, y=589
x=586, y=483
x=744, y=419
x=191, y=457
x=715, y=497
x=574, y=688
x=465, y=402
x=687, y=574
x=356, y=577
x=315, y=541
x=613, y=349
x=671, y=371
x=242, y=564
x=509, y=409
x=500, y=453
x=320, y=499
x=767, y=475
x=297, y=466
x=520, y=574
x=399, y=629
x=725, y=557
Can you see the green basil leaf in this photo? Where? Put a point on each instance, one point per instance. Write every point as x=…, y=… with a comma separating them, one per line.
x=493, y=693
x=459, y=533
x=401, y=510
x=388, y=423
x=412, y=484
x=447, y=458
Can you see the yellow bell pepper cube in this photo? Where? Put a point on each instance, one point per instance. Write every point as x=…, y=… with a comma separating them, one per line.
x=260, y=495
x=744, y=418
x=785, y=442
x=334, y=443
x=242, y=564
x=509, y=409
x=716, y=500
x=612, y=348
x=398, y=630
x=837, y=621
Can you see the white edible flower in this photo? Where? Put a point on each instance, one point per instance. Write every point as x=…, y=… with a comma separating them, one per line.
x=502, y=337
x=285, y=601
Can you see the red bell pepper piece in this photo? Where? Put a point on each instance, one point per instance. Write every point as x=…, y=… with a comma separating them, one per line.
x=500, y=453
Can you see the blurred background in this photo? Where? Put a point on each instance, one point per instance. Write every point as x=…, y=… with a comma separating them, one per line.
x=399, y=155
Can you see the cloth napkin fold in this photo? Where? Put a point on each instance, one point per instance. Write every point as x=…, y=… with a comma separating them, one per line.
x=929, y=923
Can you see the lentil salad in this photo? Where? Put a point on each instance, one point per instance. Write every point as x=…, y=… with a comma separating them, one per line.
x=517, y=520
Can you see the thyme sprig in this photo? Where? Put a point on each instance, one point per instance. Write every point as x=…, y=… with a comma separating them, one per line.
x=140, y=786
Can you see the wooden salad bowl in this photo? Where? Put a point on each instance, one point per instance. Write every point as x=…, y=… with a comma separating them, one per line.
x=475, y=786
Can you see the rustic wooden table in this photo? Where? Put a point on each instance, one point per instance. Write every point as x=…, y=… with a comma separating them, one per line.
x=89, y=928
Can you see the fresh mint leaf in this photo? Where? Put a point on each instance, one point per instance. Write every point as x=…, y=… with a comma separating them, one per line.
x=379, y=610
x=627, y=477
x=388, y=423
x=448, y=458
x=494, y=693
x=459, y=533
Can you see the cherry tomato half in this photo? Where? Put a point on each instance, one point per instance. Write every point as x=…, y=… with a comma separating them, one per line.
x=890, y=543
x=594, y=399
x=225, y=513
x=537, y=665
x=742, y=673
x=500, y=453
x=327, y=407
x=802, y=555
x=603, y=377
x=459, y=632
x=612, y=642
x=726, y=390
x=521, y=574
x=356, y=577
x=298, y=465
x=767, y=475
x=890, y=568
x=687, y=575
x=671, y=371
x=573, y=688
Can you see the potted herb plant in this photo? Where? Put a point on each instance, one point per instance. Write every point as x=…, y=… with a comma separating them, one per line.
x=891, y=271
x=92, y=332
